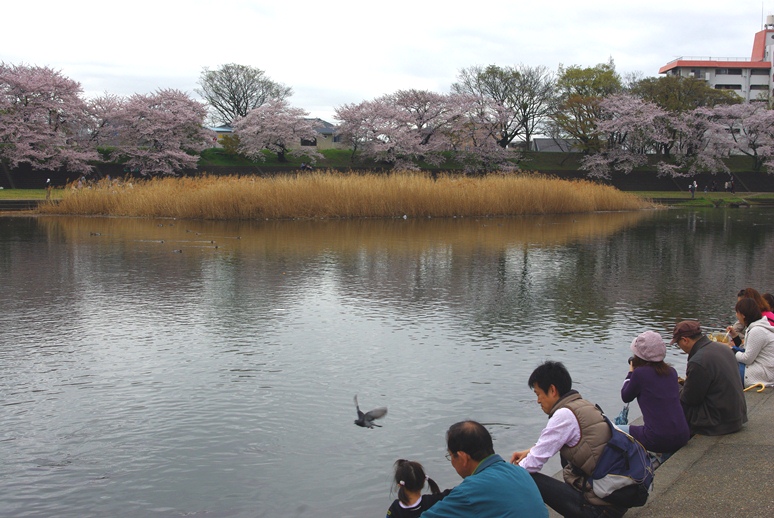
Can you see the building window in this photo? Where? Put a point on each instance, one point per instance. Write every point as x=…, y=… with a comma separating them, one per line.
x=728, y=87
x=728, y=72
x=759, y=87
x=305, y=142
x=759, y=72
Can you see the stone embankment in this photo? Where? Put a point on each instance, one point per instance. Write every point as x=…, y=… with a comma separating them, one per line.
x=729, y=475
x=17, y=205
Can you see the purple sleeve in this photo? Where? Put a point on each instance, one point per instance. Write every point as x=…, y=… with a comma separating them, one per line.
x=630, y=389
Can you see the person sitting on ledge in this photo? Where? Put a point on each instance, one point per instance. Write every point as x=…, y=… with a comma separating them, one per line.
x=756, y=359
x=654, y=383
x=712, y=395
x=578, y=431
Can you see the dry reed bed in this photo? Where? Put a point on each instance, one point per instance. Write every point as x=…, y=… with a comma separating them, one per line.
x=324, y=195
x=349, y=236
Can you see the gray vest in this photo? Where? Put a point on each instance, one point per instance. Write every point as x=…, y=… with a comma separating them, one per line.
x=595, y=433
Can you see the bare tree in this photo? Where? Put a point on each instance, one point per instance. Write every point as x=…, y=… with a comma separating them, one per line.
x=233, y=90
x=533, y=99
x=493, y=84
x=523, y=95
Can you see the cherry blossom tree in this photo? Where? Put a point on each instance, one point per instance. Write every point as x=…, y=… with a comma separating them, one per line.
x=103, y=111
x=699, y=144
x=683, y=143
x=277, y=127
x=410, y=126
x=157, y=133
x=376, y=130
x=360, y=126
x=43, y=120
x=474, y=136
x=401, y=128
x=750, y=131
x=423, y=121
x=632, y=129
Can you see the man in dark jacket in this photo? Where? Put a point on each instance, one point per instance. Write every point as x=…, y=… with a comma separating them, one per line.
x=712, y=394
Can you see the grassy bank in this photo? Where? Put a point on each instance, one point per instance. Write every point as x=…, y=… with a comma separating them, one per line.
x=708, y=199
x=337, y=195
x=29, y=194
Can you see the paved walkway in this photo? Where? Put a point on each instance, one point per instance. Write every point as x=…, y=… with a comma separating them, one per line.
x=731, y=475
x=726, y=476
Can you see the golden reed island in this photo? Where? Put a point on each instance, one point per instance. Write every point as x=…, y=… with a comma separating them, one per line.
x=329, y=195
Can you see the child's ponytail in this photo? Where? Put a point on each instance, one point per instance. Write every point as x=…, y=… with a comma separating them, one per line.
x=433, y=486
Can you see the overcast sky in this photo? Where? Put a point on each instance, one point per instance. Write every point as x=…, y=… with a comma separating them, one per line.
x=347, y=51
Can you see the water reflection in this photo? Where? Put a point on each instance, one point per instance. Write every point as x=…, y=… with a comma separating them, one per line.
x=164, y=367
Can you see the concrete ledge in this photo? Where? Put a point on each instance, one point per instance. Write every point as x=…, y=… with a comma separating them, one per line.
x=728, y=475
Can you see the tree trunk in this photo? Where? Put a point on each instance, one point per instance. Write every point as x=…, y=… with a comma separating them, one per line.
x=7, y=174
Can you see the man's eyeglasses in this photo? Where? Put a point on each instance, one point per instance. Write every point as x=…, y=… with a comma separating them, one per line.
x=449, y=456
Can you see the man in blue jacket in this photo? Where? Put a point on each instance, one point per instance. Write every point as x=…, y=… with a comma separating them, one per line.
x=490, y=487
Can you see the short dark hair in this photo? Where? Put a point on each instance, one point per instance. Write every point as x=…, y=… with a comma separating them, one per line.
x=749, y=309
x=472, y=438
x=551, y=373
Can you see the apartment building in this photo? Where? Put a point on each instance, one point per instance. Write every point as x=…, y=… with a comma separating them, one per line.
x=749, y=78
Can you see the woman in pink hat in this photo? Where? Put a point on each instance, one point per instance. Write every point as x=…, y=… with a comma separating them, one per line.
x=654, y=384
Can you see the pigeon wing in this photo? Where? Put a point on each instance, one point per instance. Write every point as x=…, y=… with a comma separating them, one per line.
x=376, y=413
x=360, y=414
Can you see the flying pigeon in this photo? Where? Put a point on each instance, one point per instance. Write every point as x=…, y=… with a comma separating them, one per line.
x=367, y=420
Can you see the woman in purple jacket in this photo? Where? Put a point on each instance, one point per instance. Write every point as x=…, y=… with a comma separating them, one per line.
x=654, y=384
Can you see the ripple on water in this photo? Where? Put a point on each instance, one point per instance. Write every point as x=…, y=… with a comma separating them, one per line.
x=203, y=385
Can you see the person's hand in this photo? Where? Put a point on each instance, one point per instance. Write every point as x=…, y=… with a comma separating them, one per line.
x=731, y=332
x=518, y=456
x=680, y=380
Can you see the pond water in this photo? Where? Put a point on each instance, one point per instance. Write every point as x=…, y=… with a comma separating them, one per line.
x=182, y=368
